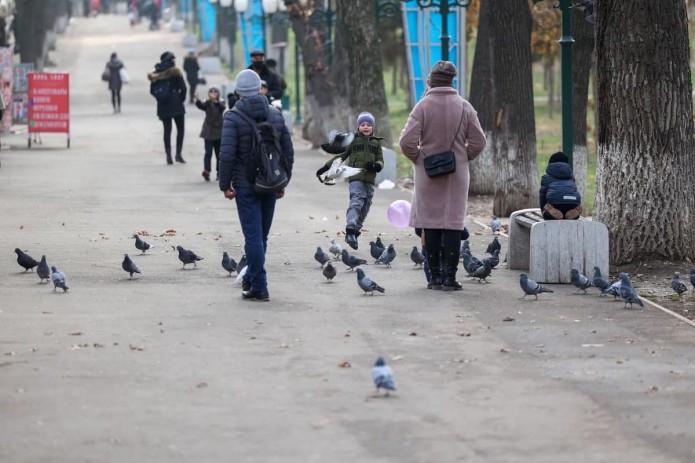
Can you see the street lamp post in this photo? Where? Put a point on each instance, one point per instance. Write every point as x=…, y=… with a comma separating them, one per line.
x=445, y=7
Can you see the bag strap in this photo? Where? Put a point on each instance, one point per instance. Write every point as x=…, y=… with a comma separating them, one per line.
x=245, y=117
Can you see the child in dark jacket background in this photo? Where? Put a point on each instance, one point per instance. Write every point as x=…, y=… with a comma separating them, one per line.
x=212, y=128
x=559, y=197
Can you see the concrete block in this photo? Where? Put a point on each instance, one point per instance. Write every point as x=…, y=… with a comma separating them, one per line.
x=177, y=25
x=210, y=65
x=189, y=41
x=389, y=170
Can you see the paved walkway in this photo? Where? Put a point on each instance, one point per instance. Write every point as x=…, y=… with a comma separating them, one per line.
x=172, y=366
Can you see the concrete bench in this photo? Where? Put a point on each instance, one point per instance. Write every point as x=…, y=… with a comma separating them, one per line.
x=550, y=249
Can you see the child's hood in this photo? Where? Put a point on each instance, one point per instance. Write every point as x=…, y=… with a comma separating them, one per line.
x=559, y=170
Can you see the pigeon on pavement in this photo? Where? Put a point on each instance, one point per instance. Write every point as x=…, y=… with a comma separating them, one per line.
x=366, y=283
x=142, y=245
x=375, y=250
x=627, y=293
x=580, y=281
x=351, y=261
x=494, y=259
x=228, y=263
x=417, y=257
x=600, y=281
x=320, y=256
x=242, y=263
x=25, y=260
x=329, y=271
x=129, y=266
x=380, y=243
x=495, y=244
x=58, y=280
x=495, y=224
x=465, y=248
x=335, y=249
x=471, y=263
x=43, y=271
x=382, y=375
x=387, y=256
x=482, y=272
x=613, y=289
x=530, y=287
x=676, y=283
x=188, y=257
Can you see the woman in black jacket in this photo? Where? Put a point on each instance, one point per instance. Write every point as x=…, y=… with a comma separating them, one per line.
x=169, y=88
x=115, y=83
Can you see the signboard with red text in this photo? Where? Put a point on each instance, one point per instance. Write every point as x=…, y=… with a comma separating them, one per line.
x=49, y=102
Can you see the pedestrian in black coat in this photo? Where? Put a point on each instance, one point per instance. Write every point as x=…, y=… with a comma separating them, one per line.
x=191, y=68
x=115, y=83
x=258, y=65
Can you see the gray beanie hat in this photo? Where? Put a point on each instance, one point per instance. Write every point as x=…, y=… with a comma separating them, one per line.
x=248, y=83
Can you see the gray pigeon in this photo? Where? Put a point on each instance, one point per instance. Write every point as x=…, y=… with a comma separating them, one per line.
x=613, y=289
x=129, y=266
x=188, y=257
x=43, y=271
x=495, y=244
x=692, y=277
x=380, y=243
x=495, y=224
x=335, y=249
x=329, y=271
x=366, y=283
x=465, y=248
x=627, y=293
x=600, y=281
x=530, y=287
x=141, y=245
x=676, y=283
x=382, y=375
x=352, y=261
x=228, y=263
x=242, y=263
x=58, y=280
x=580, y=281
x=482, y=272
x=471, y=263
x=387, y=256
x=25, y=260
x=494, y=259
x=417, y=257
x=375, y=250
x=320, y=256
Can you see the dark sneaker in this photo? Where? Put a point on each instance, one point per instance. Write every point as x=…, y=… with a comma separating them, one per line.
x=180, y=159
x=245, y=285
x=351, y=240
x=554, y=213
x=258, y=296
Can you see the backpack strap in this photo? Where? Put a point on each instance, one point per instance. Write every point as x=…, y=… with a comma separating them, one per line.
x=245, y=117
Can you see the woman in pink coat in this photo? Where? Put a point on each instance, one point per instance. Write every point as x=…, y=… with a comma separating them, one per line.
x=441, y=121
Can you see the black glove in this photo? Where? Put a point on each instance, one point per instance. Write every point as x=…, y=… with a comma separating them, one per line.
x=322, y=171
x=373, y=166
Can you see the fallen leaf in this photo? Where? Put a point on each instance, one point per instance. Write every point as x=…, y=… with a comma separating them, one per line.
x=134, y=347
x=96, y=344
x=347, y=335
x=413, y=333
x=201, y=385
x=464, y=333
x=311, y=217
x=21, y=227
x=507, y=319
x=503, y=350
x=76, y=333
x=344, y=364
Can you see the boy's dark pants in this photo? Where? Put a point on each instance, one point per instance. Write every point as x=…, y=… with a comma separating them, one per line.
x=361, y=194
x=210, y=146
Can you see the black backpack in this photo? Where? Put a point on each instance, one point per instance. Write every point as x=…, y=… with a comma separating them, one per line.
x=267, y=169
x=161, y=90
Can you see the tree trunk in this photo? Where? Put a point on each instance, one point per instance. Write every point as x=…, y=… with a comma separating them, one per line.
x=582, y=57
x=513, y=140
x=644, y=189
x=483, y=169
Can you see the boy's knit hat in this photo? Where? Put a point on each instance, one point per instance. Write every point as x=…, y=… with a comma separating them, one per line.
x=366, y=117
x=248, y=83
x=558, y=157
x=442, y=74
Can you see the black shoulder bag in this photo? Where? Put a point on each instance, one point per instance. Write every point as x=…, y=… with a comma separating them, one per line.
x=443, y=163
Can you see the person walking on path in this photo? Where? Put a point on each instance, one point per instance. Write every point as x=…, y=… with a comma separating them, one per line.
x=115, y=83
x=442, y=121
x=191, y=68
x=255, y=211
x=169, y=89
x=211, y=132
x=258, y=65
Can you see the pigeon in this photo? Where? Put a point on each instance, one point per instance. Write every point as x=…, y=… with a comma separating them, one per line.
x=600, y=281
x=382, y=375
x=366, y=283
x=58, y=280
x=25, y=260
x=339, y=170
x=320, y=256
x=43, y=271
x=141, y=245
x=482, y=272
x=530, y=287
x=188, y=257
x=329, y=271
x=351, y=261
x=417, y=257
x=387, y=256
x=228, y=263
x=465, y=248
x=338, y=142
x=242, y=263
x=676, y=283
x=335, y=249
x=495, y=244
x=471, y=263
x=375, y=250
x=129, y=266
x=580, y=281
x=627, y=292
x=380, y=243
x=495, y=224
x=613, y=289
x=692, y=277
x=494, y=259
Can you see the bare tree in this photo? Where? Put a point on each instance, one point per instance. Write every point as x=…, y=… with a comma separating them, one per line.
x=645, y=192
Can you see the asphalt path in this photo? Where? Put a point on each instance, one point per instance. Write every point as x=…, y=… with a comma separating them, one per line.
x=172, y=365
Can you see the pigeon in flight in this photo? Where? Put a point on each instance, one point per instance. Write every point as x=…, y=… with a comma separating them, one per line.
x=495, y=224
x=351, y=261
x=320, y=256
x=627, y=292
x=335, y=249
x=43, y=271
x=188, y=257
x=142, y=245
x=676, y=283
x=417, y=257
x=58, y=280
x=338, y=171
x=366, y=283
x=580, y=281
x=338, y=142
x=387, y=256
x=25, y=260
x=495, y=244
x=329, y=271
x=382, y=375
x=530, y=287
x=599, y=281
x=129, y=266
x=228, y=263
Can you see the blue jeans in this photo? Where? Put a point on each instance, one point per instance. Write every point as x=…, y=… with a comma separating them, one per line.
x=256, y=217
x=361, y=194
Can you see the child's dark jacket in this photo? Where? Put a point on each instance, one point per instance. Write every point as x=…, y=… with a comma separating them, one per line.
x=212, y=126
x=362, y=150
x=558, y=186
